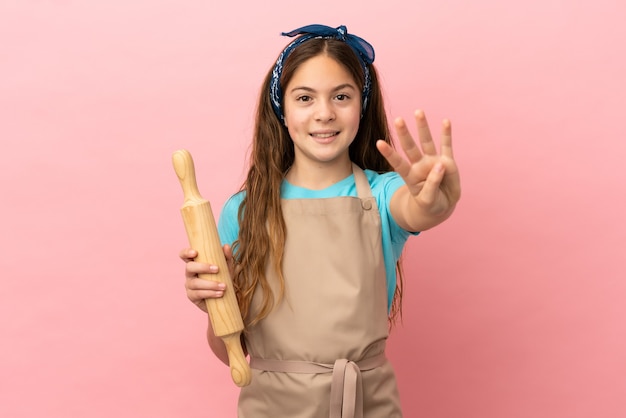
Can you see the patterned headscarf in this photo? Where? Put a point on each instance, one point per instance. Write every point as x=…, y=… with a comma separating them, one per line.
x=363, y=50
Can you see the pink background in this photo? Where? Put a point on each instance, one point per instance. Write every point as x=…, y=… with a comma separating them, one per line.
x=513, y=308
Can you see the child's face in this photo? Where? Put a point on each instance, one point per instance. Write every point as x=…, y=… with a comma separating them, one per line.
x=322, y=110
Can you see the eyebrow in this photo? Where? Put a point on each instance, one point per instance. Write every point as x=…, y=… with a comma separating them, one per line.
x=339, y=87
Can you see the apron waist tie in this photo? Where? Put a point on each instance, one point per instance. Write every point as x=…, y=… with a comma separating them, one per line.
x=346, y=390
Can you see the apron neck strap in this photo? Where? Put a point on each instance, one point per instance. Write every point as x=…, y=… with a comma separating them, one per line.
x=363, y=189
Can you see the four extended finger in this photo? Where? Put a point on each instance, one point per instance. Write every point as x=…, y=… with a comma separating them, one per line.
x=397, y=162
x=410, y=148
x=423, y=131
x=446, y=139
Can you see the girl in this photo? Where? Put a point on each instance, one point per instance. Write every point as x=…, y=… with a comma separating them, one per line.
x=318, y=228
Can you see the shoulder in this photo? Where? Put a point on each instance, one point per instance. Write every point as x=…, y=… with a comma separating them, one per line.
x=384, y=184
x=232, y=203
x=228, y=224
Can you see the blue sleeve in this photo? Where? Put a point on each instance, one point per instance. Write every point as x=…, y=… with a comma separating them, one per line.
x=398, y=234
x=391, y=182
x=393, y=236
x=228, y=224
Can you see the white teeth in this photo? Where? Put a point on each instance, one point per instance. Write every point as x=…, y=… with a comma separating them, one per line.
x=324, y=135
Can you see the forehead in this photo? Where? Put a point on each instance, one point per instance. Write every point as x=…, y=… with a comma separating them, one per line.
x=321, y=70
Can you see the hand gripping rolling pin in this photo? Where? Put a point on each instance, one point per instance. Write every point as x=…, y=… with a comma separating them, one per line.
x=203, y=237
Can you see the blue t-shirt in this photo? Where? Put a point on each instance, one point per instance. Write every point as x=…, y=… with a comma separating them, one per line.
x=383, y=187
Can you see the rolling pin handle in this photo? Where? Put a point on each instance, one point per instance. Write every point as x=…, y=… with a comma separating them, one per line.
x=239, y=368
x=186, y=173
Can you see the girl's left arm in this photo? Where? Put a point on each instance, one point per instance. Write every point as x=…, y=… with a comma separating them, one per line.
x=432, y=182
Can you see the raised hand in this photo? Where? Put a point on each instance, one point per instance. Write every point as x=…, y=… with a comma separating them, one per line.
x=432, y=179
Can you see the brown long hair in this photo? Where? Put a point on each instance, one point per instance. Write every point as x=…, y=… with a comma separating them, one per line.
x=262, y=230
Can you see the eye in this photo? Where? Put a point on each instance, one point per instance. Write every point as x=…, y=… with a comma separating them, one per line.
x=303, y=98
x=342, y=97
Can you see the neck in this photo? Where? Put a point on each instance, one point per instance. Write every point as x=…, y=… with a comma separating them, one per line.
x=317, y=176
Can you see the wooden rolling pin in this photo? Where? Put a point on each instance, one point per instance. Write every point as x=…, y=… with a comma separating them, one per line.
x=203, y=237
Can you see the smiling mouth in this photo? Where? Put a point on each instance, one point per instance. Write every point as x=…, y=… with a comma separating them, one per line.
x=325, y=135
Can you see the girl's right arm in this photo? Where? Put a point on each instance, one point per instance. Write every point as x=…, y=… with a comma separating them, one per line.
x=200, y=289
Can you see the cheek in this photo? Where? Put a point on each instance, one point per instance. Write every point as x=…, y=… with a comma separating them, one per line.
x=292, y=132
x=293, y=119
x=292, y=125
x=355, y=121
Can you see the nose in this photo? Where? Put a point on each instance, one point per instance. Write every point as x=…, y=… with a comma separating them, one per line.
x=324, y=111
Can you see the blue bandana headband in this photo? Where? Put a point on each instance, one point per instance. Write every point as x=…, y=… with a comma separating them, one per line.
x=363, y=50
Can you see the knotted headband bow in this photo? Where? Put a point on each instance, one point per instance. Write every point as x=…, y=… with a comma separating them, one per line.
x=363, y=50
